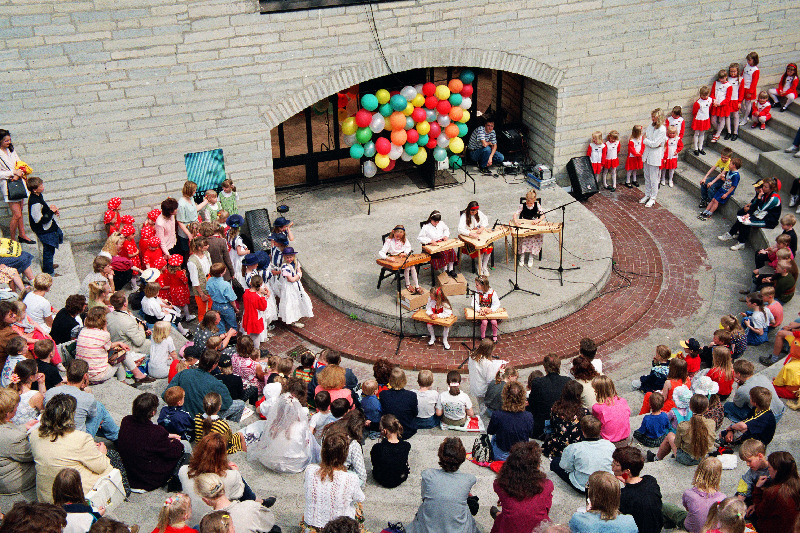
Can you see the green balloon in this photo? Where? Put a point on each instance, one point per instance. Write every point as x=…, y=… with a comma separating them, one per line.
x=411, y=148
x=467, y=76
x=363, y=135
x=455, y=99
x=439, y=153
x=369, y=102
x=456, y=162
x=369, y=149
x=423, y=140
x=398, y=102
x=385, y=110
x=462, y=129
x=356, y=151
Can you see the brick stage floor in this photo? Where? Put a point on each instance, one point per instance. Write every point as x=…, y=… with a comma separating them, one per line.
x=655, y=282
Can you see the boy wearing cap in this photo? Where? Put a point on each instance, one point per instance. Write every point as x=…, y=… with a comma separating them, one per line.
x=278, y=242
x=223, y=298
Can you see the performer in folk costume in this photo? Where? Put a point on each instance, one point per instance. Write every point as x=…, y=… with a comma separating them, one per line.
x=438, y=306
x=672, y=148
x=720, y=107
x=279, y=242
x=397, y=244
x=295, y=303
x=435, y=231
x=597, y=154
x=749, y=86
x=702, y=119
x=257, y=264
x=472, y=223
x=762, y=111
x=676, y=119
x=787, y=88
x=732, y=121
x=634, y=160
x=485, y=301
x=528, y=246
x=611, y=159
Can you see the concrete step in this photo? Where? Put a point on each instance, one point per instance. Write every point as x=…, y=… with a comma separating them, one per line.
x=766, y=140
x=701, y=162
x=786, y=123
x=780, y=165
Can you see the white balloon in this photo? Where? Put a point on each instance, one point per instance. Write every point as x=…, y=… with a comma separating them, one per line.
x=431, y=115
x=369, y=168
x=408, y=92
x=418, y=88
x=349, y=140
x=442, y=141
x=395, y=152
x=443, y=120
x=405, y=156
x=466, y=103
x=377, y=123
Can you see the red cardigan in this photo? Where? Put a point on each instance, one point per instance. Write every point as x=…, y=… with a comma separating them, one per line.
x=773, y=513
x=253, y=303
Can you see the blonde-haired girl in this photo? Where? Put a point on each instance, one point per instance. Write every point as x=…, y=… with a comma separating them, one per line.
x=438, y=306
x=529, y=210
x=732, y=121
x=162, y=350
x=701, y=110
x=482, y=369
x=397, y=244
x=213, y=207
x=611, y=159
x=99, y=294
x=698, y=499
x=634, y=160
x=612, y=411
x=672, y=148
x=726, y=516
x=596, y=153
x=174, y=514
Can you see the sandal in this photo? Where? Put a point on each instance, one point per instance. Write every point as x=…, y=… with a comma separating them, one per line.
x=420, y=290
x=715, y=138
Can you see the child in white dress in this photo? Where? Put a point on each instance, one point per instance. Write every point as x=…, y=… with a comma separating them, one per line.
x=295, y=303
x=438, y=306
x=162, y=351
x=397, y=244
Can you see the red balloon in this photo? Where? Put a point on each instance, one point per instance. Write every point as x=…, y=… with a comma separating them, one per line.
x=412, y=136
x=429, y=89
x=436, y=129
x=430, y=102
x=432, y=143
x=383, y=145
x=363, y=118
x=443, y=107
x=341, y=100
x=390, y=166
x=418, y=114
x=466, y=92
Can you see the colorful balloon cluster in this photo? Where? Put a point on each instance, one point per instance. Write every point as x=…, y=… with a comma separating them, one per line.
x=416, y=119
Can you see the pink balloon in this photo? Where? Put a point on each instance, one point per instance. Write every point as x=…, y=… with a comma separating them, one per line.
x=436, y=129
x=466, y=92
x=363, y=118
x=418, y=114
x=383, y=145
x=430, y=102
x=412, y=136
x=428, y=89
x=443, y=107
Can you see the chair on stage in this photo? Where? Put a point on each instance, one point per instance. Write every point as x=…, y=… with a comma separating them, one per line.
x=522, y=201
x=388, y=272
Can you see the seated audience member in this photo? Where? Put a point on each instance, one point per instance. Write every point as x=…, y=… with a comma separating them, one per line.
x=692, y=439
x=370, y=403
x=493, y=398
x=677, y=375
x=545, y=391
x=17, y=472
x=698, y=499
x=151, y=455
x=603, y=493
x=197, y=382
x=246, y=516
x=612, y=411
x=332, y=357
x=512, y=423
x=741, y=407
x=173, y=417
x=454, y=407
x=444, y=494
x=754, y=454
x=426, y=401
x=583, y=458
x=584, y=372
x=776, y=500
x=176, y=511
x=91, y=416
x=760, y=426
x=692, y=355
x=565, y=420
x=654, y=381
x=43, y=351
x=721, y=370
x=400, y=402
x=333, y=378
x=774, y=306
x=655, y=425
x=523, y=490
x=640, y=495
x=352, y=425
x=782, y=343
x=209, y=421
x=25, y=517
x=67, y=321
x=68, y=494
x=390, y=456
x=56, y=445
x=588, y=350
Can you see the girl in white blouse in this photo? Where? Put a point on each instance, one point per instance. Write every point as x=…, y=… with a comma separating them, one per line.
x=472, y=223
x=397, y=244
x=436, y=231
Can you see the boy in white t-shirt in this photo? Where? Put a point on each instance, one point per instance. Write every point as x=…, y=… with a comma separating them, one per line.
x=454, y=406
x=426, y=401
x=323, y=416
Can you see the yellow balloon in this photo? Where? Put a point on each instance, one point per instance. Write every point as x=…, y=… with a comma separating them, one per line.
x=418, y=101
x=420, y=156
x=464, y=117
x=456, y=145
x=382, y=161
x=423, y=127
x=387, y=126
x=409, y=109
x=383, y=96
x=349, y=126
x=442, y=92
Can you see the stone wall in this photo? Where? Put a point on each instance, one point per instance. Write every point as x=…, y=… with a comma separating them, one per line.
x=104, y=97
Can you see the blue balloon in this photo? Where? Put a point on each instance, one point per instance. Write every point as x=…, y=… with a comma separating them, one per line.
x=439, y=154
x=369, y=102
x=423, y=140
x=455, y=99
x=385, y=109
x=411, y=148
x=467, y=76
x=369, y=149
x=398, y=102
x=356, y=151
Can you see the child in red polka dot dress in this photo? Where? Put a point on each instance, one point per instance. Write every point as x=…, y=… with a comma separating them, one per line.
x=176, y=284
x=148, y=231
x=153, y=252
x=128, y=248
x=112, y=217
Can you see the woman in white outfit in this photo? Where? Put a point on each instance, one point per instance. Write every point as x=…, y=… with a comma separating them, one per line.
x=654, y=140
x=9, y=172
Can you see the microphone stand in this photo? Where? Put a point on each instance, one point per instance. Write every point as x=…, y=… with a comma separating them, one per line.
x=401, y=335
x=515, y=284
x=560, y=268
x=474, y=322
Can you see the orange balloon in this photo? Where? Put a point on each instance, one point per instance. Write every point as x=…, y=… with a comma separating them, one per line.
x=455, y=86
x=400, y=136
x=397, y=120
x=451, y=131
x=456, y=113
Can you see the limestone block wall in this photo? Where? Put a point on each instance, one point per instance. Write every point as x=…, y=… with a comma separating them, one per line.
x=104, y=97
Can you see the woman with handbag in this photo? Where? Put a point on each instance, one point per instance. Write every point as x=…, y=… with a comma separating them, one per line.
x=14, y=193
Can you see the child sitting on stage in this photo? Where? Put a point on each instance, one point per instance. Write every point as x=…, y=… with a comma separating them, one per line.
x=397, y=244
x=438, y=307
x=485, y=301
x=437, y=231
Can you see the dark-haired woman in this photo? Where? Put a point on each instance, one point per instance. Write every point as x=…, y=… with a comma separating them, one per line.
x=8, y=315
x=776, y=498
x=68, y=319
x=444, y=494
x=10, y=172
x=524, y=491
x=209, y=327
x=512, y=423
x=584, y=372
x=57, y=445
x=166, y=226
x=565, y=420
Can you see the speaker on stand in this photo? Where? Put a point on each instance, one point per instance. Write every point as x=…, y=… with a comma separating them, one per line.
x=581, y=176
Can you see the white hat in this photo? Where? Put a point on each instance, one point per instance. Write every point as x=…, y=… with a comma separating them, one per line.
x=682, y=396
x=150, y=275
x=705, y=385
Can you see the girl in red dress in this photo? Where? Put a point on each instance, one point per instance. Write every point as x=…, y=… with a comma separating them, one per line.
x=255, y=306
x=174, y=282
x=153, y=252
x=721, y=93
x=634, y=160
x=611, y=159
x=129, y=249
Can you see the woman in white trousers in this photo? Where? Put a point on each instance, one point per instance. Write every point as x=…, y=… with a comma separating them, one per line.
x=654, y=140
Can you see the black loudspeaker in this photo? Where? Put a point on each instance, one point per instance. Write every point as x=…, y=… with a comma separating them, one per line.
x=256, y=229
x=581, y=176
x=510, y=139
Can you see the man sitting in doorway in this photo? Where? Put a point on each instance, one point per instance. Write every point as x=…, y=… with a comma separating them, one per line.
x=482, y=146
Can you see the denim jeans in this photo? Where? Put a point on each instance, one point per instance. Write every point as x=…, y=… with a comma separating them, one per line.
x=234, y=412
x=248, y=494
x=48, y=252
x=427, y=423
x=499, y=455
x=706, y=192
x=227, y=317
x=735, y=413
x=102, y=423
x=481, y=156
x=797, y=138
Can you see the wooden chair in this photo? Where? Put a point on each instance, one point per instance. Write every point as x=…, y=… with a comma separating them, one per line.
x=386, y=272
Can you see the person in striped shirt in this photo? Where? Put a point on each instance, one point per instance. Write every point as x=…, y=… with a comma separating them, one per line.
x=482, y=146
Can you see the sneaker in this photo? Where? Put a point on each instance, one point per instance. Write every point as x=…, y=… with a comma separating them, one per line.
x=766, y=360
x=725, y=236
x=486, y=172
x=738, y=246
x=636, y=384
x=650, y=203
x=793, y=200
x=735, y=136
x=763, y=126
x=702, y=152
x=644, y=199
x=798, y=209
x=791, y=149
x=714, y=139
